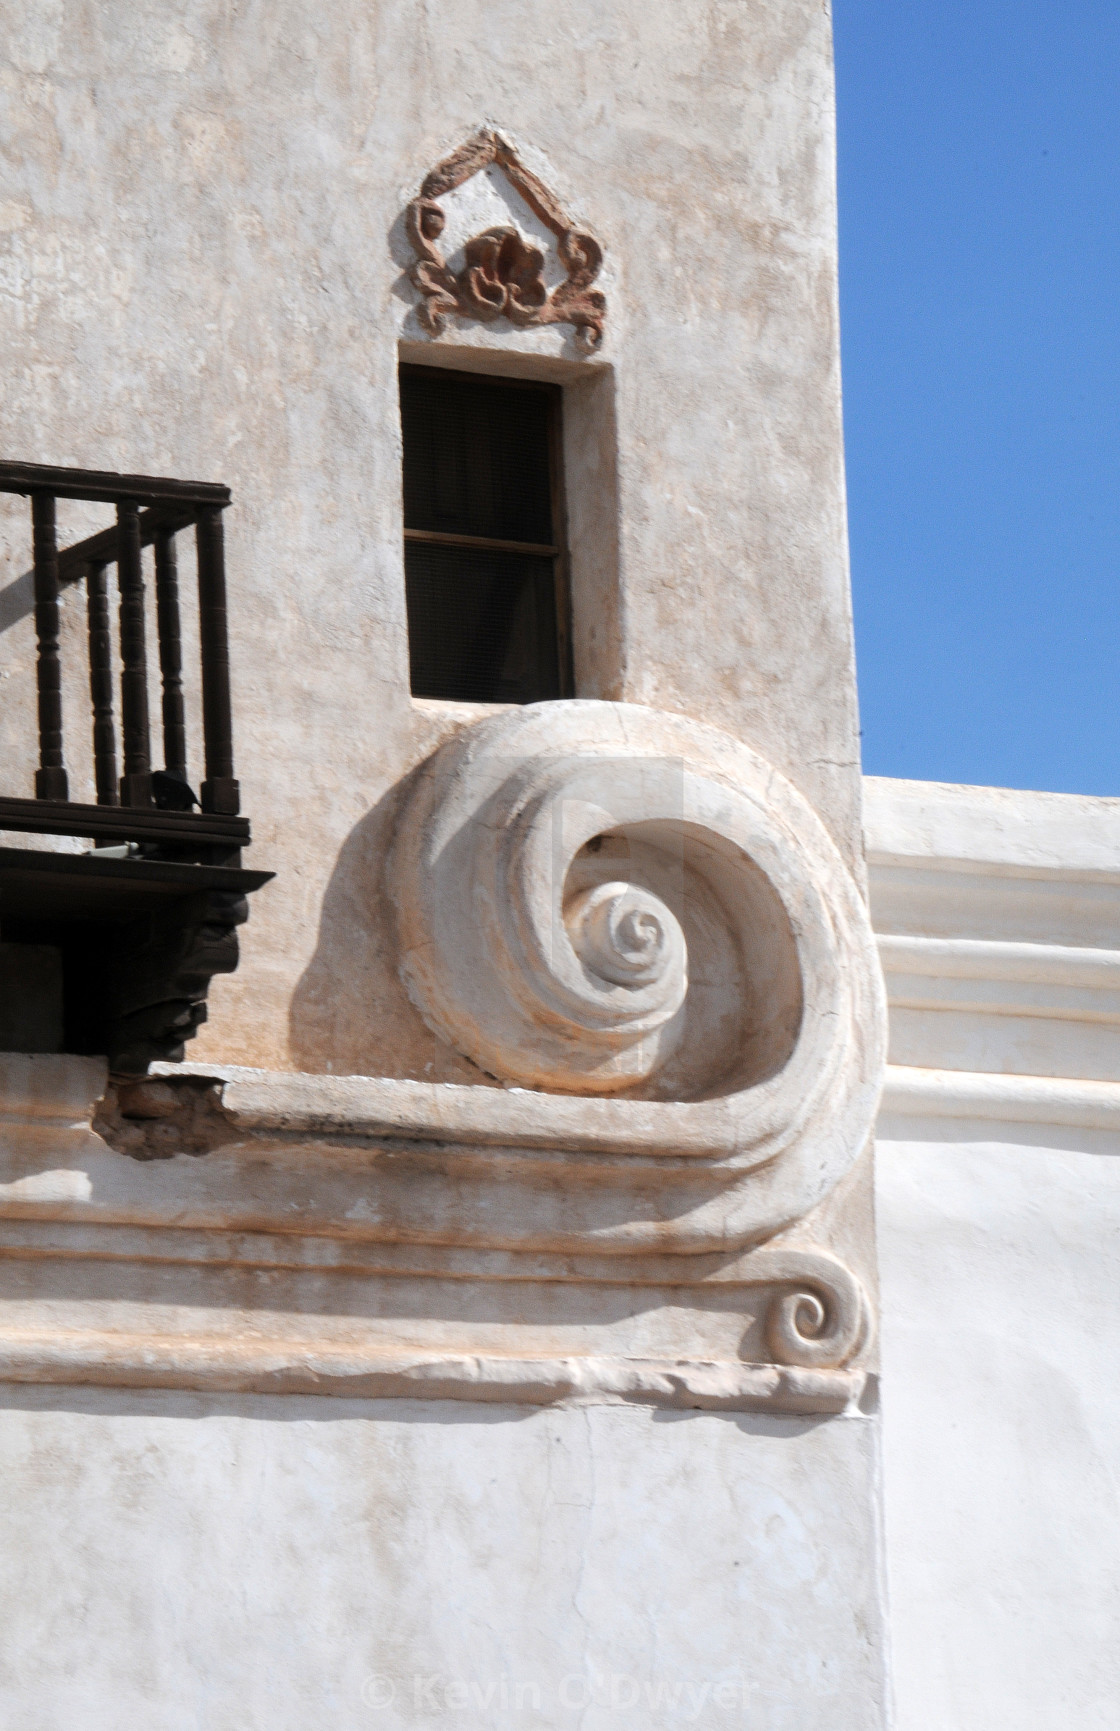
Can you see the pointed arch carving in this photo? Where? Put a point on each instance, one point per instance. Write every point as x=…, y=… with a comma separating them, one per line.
x=504, y=273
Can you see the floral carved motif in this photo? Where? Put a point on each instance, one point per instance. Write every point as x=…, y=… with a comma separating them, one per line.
x=504, y=273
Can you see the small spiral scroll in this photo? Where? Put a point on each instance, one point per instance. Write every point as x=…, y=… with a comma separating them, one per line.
x=819, y=1318
x=627, y=936
x=803, y=1328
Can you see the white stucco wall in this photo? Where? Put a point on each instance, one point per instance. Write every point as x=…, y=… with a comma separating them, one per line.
x=998, y=1199
x=1001, y=1364
x=188, y=1563
x=179, y=1560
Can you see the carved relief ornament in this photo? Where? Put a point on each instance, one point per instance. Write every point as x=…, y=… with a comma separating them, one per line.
x=504, y=273
x=645, y=932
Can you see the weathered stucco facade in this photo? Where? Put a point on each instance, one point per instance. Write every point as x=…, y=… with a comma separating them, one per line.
x=484, y=1319
x=205, y=239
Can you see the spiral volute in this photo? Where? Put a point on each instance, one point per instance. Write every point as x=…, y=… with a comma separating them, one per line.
x=599, y=899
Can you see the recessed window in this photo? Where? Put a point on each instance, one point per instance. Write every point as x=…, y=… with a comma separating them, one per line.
x=484, y=524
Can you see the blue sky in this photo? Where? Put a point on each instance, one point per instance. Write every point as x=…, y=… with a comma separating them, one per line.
x=979, y=146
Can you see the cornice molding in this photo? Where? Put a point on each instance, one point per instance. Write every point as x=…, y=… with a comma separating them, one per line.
x=280, y=1367
x=965, y=1094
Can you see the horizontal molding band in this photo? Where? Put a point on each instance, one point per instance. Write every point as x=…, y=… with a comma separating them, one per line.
x=680, y=1133
x=916, y=1093
x=989, y=977
x=946, y=865
x=29, y=1232
x=966, y=900
x=282, y=1367
x=983, y=959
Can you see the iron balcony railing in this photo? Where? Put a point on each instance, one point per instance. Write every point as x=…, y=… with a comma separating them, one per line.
x=134, y=802
x=112, y=951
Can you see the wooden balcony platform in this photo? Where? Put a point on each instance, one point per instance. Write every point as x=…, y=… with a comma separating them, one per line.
x=55, y=889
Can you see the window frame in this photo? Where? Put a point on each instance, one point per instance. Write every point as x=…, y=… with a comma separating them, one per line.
x=556, y=550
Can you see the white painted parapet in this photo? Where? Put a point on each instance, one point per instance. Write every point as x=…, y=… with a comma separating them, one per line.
x=998, y=1205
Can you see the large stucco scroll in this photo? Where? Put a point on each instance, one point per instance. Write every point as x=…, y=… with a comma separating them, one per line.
x=636, y=922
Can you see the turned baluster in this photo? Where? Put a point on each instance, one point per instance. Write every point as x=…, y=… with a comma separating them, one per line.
x=50, y=777
x=101, y=686
x=170, y=654
x=219, y=791
x=136, y=782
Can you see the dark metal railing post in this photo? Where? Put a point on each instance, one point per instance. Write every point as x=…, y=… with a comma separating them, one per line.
x=170, y=654
x=136, y=782
x=101, y=686
x=50, y=777
x=219, y=791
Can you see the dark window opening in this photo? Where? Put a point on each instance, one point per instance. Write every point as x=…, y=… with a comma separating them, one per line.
x=484, y=522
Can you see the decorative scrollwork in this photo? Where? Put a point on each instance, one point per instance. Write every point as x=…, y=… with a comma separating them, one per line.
x=597, y=899
x=819, y=1318
x=504, y=273
x=623, y=934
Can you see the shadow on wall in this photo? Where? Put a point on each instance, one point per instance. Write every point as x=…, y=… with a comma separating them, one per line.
x=350, y=1014
x=17, y=600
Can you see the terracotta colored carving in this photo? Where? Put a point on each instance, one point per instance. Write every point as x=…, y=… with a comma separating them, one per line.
x=504, y=273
